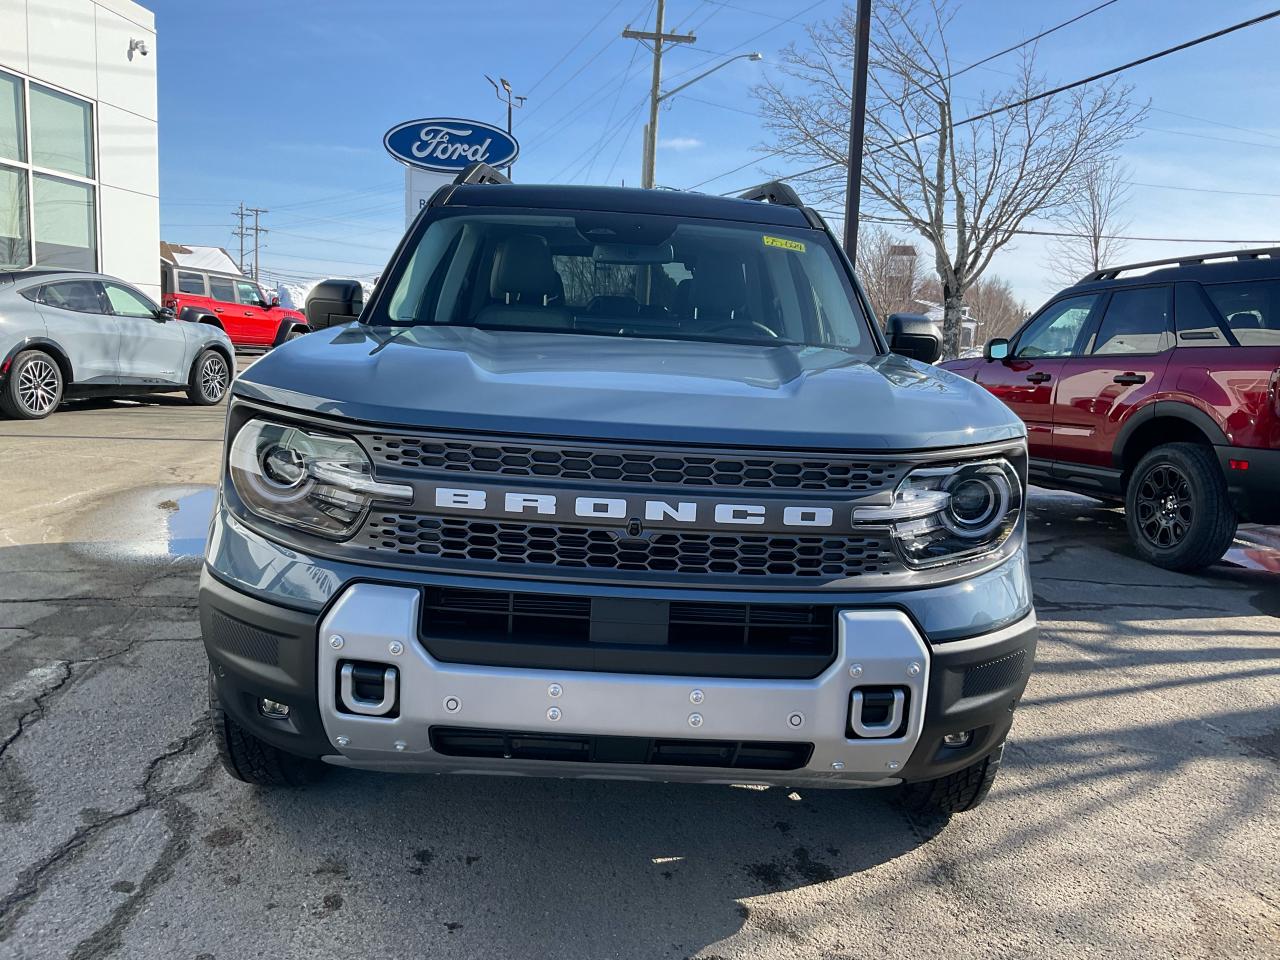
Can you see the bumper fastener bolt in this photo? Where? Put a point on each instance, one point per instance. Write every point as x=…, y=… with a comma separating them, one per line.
x=336, y=642
x=855, y=670
x=893, y=764
x=695, y=719
x=696, y=696
x=400, y=745
x=396, y=648
x=796, y=720
x=914, y=669
x=554, y=690
x=553, y=713
x=838, y=765
x=343, y=741
x=452, y=704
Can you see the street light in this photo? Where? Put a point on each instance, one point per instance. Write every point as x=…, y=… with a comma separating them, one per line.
x=651, y=130
x=509, y=100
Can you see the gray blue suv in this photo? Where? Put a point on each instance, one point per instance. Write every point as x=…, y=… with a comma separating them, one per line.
x=68, y=333
x=618, y=483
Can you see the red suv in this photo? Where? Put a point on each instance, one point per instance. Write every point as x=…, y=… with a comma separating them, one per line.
x=1157, y=384
x=235, y=303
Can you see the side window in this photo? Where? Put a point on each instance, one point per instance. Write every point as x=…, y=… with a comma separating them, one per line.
x=1197, y=318
x=128, y=303
x=222, y=288
x=1251, y=309
x=249, y=294
x=191, y=283
x=1057, y=330
x=79, y=296
x=1137, y=321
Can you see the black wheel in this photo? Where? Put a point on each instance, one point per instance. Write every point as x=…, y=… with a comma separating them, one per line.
x=956, y=792
x=252, y=760
x=1177, y=507
x=33, y=388
x=209, y=380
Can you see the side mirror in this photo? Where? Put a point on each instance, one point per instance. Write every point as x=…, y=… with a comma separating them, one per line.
x=165, y=314
x=332, y=302
x=996, y=349
x=273, y=301
x=914, y=335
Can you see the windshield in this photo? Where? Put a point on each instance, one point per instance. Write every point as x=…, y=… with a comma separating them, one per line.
x=629, y=275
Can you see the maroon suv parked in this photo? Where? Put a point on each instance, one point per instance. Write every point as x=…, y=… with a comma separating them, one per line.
x=1157, y=383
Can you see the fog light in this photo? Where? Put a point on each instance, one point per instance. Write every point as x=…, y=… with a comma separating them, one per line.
x=273, y=709
x=956, y=739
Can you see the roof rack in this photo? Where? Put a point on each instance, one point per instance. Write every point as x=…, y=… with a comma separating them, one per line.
x=480, y=172
x=1110, y=273
x=775, y=191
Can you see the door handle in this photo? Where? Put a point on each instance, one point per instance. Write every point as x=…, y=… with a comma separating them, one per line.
x=248, y=313
x=1129, y=378
x=1038, y=377
x=217, y=309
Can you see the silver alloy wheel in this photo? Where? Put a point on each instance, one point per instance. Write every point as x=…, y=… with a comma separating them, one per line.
x=213, y=378
x=39, y=386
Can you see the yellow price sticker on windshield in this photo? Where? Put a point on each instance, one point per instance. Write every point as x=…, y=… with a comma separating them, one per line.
x=784, y=244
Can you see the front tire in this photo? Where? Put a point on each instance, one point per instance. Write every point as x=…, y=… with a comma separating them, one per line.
x=251, y=760
x=956, y=792
x=33, y=388
x=209, y=380
x=1177, y=508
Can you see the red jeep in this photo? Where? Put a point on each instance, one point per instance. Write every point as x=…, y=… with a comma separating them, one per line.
x=1157, y=384
x=235, y=303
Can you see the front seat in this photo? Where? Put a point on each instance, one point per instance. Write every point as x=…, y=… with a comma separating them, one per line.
x=525, y=289
x=718, y=297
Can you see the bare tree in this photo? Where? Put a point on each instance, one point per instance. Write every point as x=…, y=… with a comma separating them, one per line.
x=965, y=186
x=1094, y=214
x=890, y=271
x=993, y=308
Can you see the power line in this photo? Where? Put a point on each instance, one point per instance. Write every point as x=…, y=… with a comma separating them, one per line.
x=579, y=42
x=996, y=111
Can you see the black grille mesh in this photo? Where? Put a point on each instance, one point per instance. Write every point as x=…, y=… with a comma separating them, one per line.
x=993, y=675
x=682, y=468
x=246, y=641
x=548, y=545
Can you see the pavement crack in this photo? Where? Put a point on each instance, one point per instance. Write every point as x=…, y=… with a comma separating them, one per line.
x=37, y=706
x=31, y=879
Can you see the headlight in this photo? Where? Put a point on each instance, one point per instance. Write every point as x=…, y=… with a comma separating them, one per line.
x=948, y=513
x=312, y=481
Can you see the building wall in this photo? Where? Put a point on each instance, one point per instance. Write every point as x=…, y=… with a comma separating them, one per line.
x=82, y=47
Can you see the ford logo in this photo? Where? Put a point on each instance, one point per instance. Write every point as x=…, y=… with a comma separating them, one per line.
x=449, y=144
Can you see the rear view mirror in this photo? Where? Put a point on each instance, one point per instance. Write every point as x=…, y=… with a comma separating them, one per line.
x=332, y=302
x=914, y=335
x=633, y=253
x=996, y=349
x=165, y=314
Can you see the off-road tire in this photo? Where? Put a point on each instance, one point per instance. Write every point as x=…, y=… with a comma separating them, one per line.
x=956, y=792
x=1213, y=520
x=199, y=389
x=13, y=402
x=251, y=760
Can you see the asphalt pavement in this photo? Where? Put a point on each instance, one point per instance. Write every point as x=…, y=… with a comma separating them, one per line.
x=1137, y=814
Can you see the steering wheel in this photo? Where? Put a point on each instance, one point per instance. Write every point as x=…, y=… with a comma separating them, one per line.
x=732, y=326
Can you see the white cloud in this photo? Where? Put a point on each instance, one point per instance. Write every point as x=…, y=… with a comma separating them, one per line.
x=680, y=143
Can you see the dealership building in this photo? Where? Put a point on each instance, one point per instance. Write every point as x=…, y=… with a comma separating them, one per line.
x=79, y=167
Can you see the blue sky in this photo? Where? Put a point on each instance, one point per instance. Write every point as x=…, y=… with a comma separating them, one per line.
x=283, y=105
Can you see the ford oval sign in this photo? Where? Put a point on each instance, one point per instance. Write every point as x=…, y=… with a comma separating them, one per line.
x=448, y=144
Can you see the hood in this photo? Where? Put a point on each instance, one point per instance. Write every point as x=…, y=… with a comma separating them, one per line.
x=616, y=388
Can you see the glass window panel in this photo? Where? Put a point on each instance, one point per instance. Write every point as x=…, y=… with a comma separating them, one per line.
x=13, y=136
x=80, y=296
x=64, y=218
x=128, y=303
x=61, y=132
x=221, y=288
x=1054, y=333
x=191, y=283
x=250, y=294
x=1137, y=321
x=1251, y=309
x=15, y=245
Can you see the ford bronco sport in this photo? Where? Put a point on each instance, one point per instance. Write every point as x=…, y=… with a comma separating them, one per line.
x=1156, y=384
x=618, y=483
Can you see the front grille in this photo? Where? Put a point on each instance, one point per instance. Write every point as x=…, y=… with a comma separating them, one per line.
x=513, y=745
x=564, y=546
x=637, y=465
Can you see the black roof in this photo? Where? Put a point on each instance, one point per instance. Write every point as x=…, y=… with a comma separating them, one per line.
x=623, y=200
x=1220, y=267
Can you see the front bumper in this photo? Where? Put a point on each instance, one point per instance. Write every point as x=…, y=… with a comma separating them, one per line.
x=260, y=651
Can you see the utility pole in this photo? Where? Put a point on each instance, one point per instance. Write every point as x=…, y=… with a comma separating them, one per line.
x=511, y=101
x=256, y=230
x=857, y=123
x=658, y=38
x=240, y=232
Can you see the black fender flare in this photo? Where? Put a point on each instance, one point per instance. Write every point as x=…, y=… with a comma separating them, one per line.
x=200, y=315
x=1167, y=410
x=287, y=326
x=50, y=347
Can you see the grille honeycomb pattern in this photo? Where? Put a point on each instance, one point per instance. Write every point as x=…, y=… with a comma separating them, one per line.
x=638, y=466
x=555, y=546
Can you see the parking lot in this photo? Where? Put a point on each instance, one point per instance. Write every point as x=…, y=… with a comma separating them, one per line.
x=1137, y=814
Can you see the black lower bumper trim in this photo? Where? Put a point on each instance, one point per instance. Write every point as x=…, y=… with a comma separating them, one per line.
x=1253, y=477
